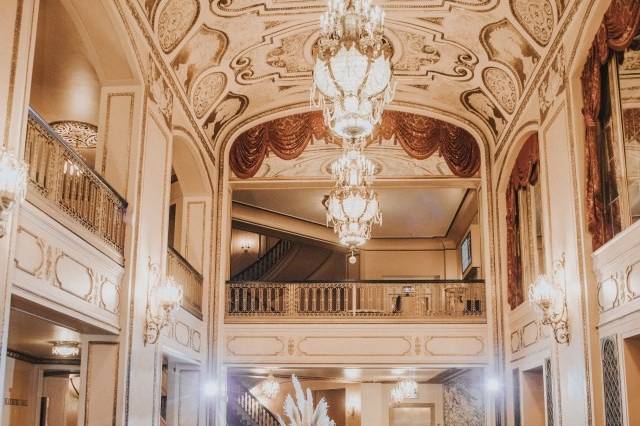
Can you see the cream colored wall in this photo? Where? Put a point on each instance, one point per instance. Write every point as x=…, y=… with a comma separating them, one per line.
x=20, y=386
x=408, y=264
x=376, y=402
x=65, y=83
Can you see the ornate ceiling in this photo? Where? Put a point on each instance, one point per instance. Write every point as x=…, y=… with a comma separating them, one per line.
x=240, y=62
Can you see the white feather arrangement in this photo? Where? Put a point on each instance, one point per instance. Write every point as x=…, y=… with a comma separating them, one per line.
x=301, y=411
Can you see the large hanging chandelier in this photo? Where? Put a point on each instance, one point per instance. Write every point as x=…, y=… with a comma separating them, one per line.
x=352, y=71
x=352, y=206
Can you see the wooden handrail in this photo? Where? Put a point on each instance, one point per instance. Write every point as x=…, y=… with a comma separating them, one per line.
x=267, y=261
x=251, y=406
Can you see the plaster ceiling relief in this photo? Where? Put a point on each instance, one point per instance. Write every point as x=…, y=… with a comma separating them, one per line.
x=502, y=87
x=202, y=51
x=232, y=106
x=175, y=19
x=477, y=102
x=234, y=8
x=390, y=159
x=503, y=43
x=536, y=17
x=207, y=91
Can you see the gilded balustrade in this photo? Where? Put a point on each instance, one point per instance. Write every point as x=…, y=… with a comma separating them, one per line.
x=190, y=279
x=416, y=301
x=60, y=175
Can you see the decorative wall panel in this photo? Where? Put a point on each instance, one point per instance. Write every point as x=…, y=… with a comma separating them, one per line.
x=536, y=17
x=55, y=265
x=174, y=21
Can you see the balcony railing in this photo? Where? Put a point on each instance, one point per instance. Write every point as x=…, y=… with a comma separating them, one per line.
x=189, y=278
x=60, y=175
x=414, y=301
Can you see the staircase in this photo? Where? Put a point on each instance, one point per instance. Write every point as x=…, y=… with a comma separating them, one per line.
x=264, y=264
x=244, y=409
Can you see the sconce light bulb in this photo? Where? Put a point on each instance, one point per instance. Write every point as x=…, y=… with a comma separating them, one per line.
x=211, y=389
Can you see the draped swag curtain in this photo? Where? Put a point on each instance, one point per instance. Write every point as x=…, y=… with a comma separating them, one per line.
x=620, y=25
x=420, y=137
x=524, y=173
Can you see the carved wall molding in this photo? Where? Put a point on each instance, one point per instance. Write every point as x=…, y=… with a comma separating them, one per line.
x=553, y=84
x=56, y=261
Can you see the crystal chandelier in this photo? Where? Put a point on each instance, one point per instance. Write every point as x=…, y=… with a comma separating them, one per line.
x=352, y=206
x=352, y=70
x=406, y=389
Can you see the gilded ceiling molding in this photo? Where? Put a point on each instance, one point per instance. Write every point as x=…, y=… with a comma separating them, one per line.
x=232, y=106
x=174, y=22
x=419, y=135
x=536, y=17
x=142, y=25
x=541, y=69
x=269, y=8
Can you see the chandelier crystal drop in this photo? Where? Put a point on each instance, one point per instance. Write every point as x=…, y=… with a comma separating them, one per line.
x=352, y=70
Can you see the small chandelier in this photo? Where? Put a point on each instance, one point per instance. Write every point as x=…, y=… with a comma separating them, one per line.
x=352, y=71
x=65, y=348
x=270, y=387
x=353, y=210
x=406, y=389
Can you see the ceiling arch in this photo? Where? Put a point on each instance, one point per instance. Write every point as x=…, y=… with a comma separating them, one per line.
x=238, y=59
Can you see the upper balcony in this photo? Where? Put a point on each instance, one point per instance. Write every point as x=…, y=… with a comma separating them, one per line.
x=362, y=301
x=60, y=178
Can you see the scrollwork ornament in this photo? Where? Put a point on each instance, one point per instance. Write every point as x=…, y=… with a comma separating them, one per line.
x=175, y=20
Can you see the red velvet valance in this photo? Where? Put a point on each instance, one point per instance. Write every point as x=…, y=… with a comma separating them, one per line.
x=420, y=137
x=524, y=173
x=620, y=25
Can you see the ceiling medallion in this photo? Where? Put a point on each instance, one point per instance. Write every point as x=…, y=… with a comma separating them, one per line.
x=352, y=70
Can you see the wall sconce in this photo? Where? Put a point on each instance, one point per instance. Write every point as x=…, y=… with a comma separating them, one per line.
x=13, y=185
x=549, y=295
x=245, y=246
x=163, y=298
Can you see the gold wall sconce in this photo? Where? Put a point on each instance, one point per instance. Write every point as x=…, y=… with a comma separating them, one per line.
x=549, y=294
x=164, y=295
x=13, y=185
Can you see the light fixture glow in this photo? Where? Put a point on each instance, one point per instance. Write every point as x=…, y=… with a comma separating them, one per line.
x=211, y=389
x=492, y=384
x=65, y=348
x=270, y=387
x=352, y=373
